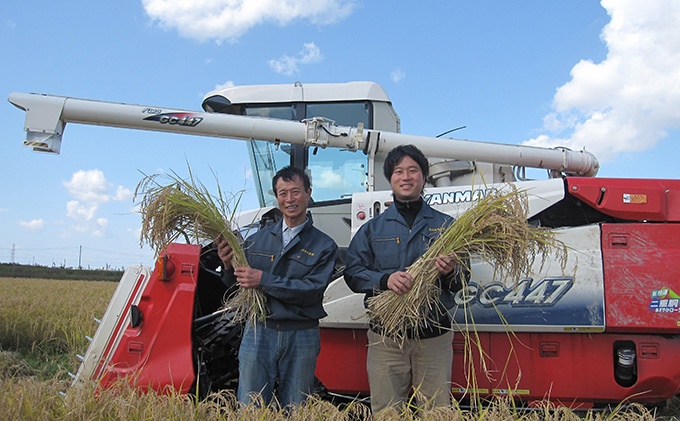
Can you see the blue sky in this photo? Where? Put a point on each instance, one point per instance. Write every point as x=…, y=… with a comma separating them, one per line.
x=604, y=76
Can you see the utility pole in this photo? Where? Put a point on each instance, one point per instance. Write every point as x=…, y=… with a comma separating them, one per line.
x=14, y=249
x=80, y=257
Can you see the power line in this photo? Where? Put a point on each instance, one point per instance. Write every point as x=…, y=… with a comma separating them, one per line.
x=78, y=256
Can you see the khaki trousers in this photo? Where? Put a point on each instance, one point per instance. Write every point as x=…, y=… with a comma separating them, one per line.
x=423, y=363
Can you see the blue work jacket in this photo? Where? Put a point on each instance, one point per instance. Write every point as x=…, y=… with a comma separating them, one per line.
x=386, y=244
x=294, y=278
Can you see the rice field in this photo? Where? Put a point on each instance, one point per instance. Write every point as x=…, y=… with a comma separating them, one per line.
x=46, y=321
x=44, y=324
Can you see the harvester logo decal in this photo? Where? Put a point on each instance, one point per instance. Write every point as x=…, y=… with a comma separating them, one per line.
x=180, y=119
x=527, y=293
x=453, y=197
x=664, y=300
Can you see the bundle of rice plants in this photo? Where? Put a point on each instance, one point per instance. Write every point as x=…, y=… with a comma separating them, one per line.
x=495, y=229
x=172, y=207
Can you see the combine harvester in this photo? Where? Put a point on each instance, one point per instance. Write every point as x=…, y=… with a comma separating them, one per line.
x=606, y=329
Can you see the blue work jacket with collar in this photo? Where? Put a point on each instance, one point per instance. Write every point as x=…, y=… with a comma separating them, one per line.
x=386, y=244
x=294, y=278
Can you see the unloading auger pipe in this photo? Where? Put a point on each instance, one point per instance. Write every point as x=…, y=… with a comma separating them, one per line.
x=581, y=163
x=47, y=115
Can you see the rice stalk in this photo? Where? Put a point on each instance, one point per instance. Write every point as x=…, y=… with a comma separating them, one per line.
x=172, y=207
x=495, y=229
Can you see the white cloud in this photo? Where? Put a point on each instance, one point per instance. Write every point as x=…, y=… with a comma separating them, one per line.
x=33, y=225
x=397, y=75
x=229, y=19
x=100, y=229
x=79, y=211
x=627, y=102
x=123, y=194
x=89, y=186
x=331, y=180
x=91, y=189
x=225, y=85
x=288, y=65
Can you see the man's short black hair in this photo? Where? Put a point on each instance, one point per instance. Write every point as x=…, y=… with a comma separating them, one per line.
x=397, y=154
x=289, y=173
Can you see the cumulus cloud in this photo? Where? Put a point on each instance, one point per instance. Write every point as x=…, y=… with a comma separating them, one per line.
x=225, y=85
x=89, y=186
x=100, y=227
x=91, y=189
x=397, y=75
x=331, y=180
x=229, y=19
x=79, y=211
x=629, y=101
x=123, y=194
x=34, y=225
x=289, y=65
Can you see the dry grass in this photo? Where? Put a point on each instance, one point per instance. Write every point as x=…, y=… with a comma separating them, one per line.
x=495, y=229
x=26, y=399
x=172, y=207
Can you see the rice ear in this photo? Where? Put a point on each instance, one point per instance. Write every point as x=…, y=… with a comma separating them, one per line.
x=172, y=207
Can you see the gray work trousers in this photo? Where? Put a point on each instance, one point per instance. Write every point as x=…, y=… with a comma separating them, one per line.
x=423, y=363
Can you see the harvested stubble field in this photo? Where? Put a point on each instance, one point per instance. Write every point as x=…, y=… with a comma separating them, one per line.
x=43, y=324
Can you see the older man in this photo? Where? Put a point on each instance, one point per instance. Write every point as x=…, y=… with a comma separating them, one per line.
x=291, y=262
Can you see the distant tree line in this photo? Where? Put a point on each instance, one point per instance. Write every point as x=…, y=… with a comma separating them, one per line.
x=13, y=270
